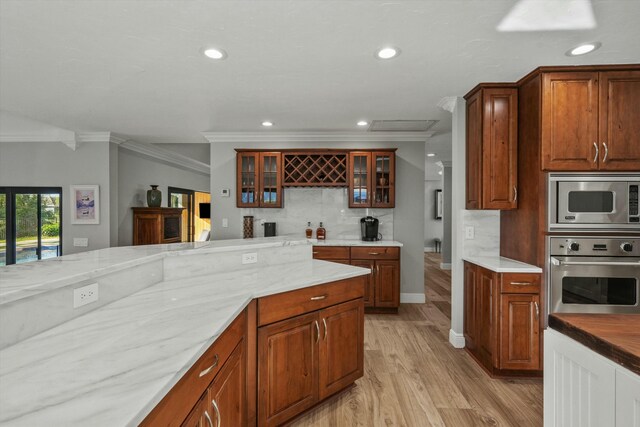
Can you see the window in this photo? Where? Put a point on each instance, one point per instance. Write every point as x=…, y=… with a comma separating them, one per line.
x=30, y=224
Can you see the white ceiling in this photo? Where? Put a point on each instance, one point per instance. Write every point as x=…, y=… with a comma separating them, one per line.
x=134, y=67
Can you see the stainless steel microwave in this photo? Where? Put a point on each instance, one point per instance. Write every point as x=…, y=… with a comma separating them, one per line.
x=594, y=201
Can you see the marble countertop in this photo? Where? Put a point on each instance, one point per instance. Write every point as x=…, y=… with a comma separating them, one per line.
x=29, y=279
x=113, y=365
x=336, y=242
x=502, y=265
x=614, y=336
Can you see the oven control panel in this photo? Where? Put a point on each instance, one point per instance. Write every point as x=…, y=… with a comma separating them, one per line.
x=595, y=246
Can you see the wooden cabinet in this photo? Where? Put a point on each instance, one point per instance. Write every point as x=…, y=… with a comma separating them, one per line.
x=492, y=147
x=590, y=120
x=339, y=254
x=259, y=179
x=369, y=285
x=308, y=357
x=152, y=226
x=372, y=179
x=502, y=320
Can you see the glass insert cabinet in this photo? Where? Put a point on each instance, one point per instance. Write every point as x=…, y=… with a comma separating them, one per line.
x=372, y=179
x=259, y=180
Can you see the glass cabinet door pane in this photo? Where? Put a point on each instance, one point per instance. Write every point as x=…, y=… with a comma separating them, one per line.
x=360, y=179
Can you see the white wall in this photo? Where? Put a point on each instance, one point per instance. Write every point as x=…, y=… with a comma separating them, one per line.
x=53, y=164
x=136, y=172
x=408, y=221
x=432, y=226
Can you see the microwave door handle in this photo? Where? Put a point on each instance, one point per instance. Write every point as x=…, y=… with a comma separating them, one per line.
x=622, y=263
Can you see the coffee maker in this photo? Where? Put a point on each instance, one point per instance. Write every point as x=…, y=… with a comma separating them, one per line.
x=369, y=229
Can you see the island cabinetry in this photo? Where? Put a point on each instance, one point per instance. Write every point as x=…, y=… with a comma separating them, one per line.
x=310, y=350
x=492, y=147
x=152, y=226
x=259, y=179
x=332, y=253
x=502, y=320
x=219, y=375
x=372, y=179
x=589, y=120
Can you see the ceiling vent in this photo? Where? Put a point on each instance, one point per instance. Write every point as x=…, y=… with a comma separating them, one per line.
x=401, y=125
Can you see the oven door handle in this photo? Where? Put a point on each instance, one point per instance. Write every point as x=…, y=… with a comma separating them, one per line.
x=555, y=261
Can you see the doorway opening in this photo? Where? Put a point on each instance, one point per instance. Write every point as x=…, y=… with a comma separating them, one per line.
x=194, y=222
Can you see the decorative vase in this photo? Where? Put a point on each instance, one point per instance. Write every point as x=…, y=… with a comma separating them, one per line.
x=154, y=197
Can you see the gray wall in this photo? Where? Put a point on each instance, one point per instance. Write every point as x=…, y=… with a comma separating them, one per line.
x=408, y=226
x=446, y=217
x=432, y=226
x=136, y=173
x=40, y=164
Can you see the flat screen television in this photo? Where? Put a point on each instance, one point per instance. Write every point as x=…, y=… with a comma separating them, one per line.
x=205, y=210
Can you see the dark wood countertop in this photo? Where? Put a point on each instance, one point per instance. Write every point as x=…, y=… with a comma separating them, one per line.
x=614, y=336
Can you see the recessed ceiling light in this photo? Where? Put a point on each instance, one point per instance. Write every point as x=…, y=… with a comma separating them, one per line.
x=439, y=172
x=387, y=52
x=267, y=124
x=584, y=49
x=431, y=154
x=362, y=123
x=215, y=53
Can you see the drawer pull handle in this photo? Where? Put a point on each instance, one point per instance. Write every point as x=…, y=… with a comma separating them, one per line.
x=317, y=330
x=206, y=415
x=215, y=406
x=204, y=372
x=521, y=283
x=374, y=253
x=316, y=252
x=324, y=323
x=318, y=298
x=537, y=309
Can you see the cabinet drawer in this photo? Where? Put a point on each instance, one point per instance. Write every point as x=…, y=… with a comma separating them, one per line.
x=375, y=252
x=282, y=306
x=177, y=404
x=331, y=252
x=520, y=283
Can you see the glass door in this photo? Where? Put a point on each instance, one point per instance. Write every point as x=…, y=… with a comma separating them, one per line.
x=383, y=187
x=182, y=198
x=247, y=176
x=30, y=224
x=360, y=180
x=270, y=180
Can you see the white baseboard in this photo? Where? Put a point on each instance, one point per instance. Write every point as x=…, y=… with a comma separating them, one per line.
x=429, y=249
x=456, y=339
x=412, y=298
x=445, y=266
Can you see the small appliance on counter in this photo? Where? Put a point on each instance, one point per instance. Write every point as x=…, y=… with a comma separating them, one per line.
x=369, y=229
x=269, y=229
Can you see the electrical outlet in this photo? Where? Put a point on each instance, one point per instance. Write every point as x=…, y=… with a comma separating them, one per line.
x=250, y=258
x=469, y=232
x=225, y=222
x=82, y=242
x=85, y=295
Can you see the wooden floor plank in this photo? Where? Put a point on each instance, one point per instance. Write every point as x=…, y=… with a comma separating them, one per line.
x=414, y=377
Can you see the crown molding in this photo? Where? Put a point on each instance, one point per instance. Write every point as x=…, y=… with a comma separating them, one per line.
x=444, y=163
x=73, y=140
x=165, y=155
x=244, y=137
x=448, y=103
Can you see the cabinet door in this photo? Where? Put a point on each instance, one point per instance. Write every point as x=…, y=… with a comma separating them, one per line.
x=369, y=289
x=200, y=415
x=341, y=351
x=520, y=331
x=287, y=368
x=387, y=284
x=619, y=116
x=359, y=179
x=500, y=148
x=474, y=152
x=227, y=393
x=270, y=180
x=247, y=185
x=470, y=305
x=383, y=179
x=147, y=229
x=627, y=398
x=485, y=315
x=569, y=121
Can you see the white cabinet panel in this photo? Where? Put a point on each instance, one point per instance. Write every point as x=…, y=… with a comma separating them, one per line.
x=627, y=399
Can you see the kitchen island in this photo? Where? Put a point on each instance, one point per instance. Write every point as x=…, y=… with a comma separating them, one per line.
x=114, y=363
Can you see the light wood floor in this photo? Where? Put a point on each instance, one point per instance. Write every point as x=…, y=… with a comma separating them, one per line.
x=414, y=377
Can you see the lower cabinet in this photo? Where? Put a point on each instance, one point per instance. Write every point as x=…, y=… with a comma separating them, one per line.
x=502, y=320
x=308, y=357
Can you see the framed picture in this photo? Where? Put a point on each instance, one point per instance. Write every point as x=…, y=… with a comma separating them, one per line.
x=85, y=204
x=439, y=203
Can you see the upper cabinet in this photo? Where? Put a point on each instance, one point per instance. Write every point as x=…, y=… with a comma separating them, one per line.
x=590, y=121
x=259, y=179
x=492, y=147
x=372, y=179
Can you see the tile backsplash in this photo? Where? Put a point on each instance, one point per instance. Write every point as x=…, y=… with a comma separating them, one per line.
x=487, y=232
x=329, y=205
